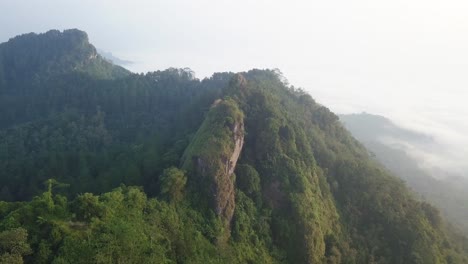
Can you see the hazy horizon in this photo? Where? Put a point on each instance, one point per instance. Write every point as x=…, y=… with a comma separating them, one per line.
x=403, y=60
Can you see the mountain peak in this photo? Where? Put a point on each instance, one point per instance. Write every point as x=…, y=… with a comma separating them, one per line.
x=68, y=40
x=31, y=55
x=53, y=33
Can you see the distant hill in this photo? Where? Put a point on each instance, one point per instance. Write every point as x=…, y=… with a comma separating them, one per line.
x=370, y=127
x=100, y=165
x=449, y=194
x=32, y=56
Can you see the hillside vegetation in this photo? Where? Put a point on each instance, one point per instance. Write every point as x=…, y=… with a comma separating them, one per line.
x=235, y=168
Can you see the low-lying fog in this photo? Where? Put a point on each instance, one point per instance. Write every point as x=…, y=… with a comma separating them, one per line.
x=440, y=115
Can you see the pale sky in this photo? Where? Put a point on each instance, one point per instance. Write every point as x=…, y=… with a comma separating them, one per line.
x=405, y=59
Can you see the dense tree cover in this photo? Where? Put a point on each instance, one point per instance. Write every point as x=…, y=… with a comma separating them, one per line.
x=97, y=134
x=303, y=190
x=122, y=226
x=31, y=57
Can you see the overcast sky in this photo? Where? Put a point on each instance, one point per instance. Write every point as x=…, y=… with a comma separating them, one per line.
x=405, y=59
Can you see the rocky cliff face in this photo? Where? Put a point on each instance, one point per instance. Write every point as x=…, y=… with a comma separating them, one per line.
x=238, y=131
x=212, y=155
x=224, y=187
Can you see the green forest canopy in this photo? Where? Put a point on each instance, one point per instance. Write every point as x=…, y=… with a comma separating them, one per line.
x=304, y=190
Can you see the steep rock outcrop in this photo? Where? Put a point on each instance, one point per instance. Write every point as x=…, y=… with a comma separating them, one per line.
x=212, y=155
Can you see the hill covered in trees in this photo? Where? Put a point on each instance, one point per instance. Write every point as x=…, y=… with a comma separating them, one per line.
x=99, y=165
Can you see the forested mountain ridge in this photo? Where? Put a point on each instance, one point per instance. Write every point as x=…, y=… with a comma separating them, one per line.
x=236, y=168
x=31, y=56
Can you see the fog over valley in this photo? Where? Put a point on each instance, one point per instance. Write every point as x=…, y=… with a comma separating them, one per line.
x=444, y=123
